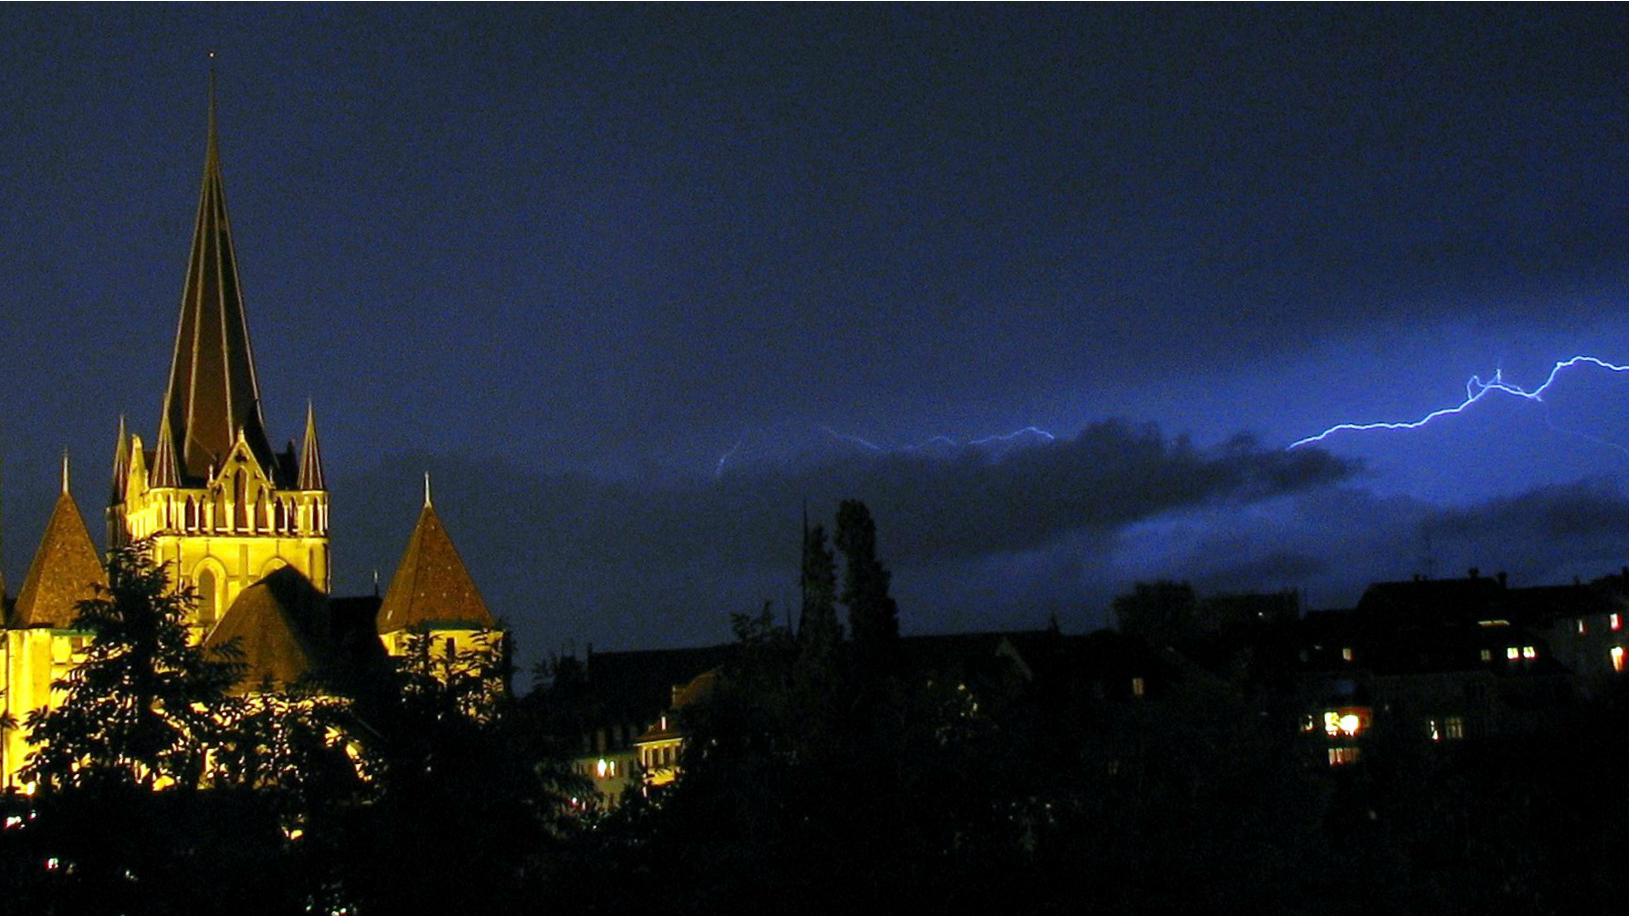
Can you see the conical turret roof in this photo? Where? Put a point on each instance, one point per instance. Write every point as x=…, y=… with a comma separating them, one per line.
x=66, y=569
x=432, y=585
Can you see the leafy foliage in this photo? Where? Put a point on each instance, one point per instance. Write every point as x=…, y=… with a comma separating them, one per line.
x=144, y=705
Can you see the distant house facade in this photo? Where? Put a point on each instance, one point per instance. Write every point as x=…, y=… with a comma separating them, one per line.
x=1446, y=660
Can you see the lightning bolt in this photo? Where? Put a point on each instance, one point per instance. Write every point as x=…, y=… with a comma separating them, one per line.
x=1475, y=390
x=980, y=442
x=868, y=445
x=1008, y=437
x=718, y=471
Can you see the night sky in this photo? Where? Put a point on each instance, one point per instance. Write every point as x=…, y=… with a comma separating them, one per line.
x=636, y=284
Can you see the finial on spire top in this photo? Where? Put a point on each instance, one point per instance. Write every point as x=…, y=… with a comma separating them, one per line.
x=65, y=471
x=426, y=489
x=210, y=150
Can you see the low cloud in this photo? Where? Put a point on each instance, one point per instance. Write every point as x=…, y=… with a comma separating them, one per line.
x=975, y=539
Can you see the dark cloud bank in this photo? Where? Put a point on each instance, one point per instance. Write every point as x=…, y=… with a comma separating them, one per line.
x=977, y=539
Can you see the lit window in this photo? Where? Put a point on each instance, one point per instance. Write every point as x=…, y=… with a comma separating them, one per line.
x=1615, y=621
x=1455, y=726
x=1309, y=724
x=1513, y=653
x=1431, y=726
x=1346, y=653
x=1339, y=756
x=1487, y=655
x=1528, y=652
x=1136, y=686
x=1348, y=722
x=1617, y=659
x=1581, y=628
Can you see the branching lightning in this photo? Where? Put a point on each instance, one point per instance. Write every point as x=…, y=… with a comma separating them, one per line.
x=1475, y=390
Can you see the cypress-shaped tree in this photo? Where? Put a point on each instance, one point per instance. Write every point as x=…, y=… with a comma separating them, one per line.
x=873, y=618
x=818, y=629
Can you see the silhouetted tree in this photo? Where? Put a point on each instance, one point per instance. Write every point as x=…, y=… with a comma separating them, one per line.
x=818, y=629
x=458, y=771
x=117, y=825
x=873, y=618
x=145, y=704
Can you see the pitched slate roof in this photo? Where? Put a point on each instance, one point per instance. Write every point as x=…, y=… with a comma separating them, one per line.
x=1432, y=602
x=281, y=629
x=287, y=629
x=432, y=585
x=66, y=569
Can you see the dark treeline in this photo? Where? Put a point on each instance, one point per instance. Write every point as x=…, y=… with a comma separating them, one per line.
x=836, y=769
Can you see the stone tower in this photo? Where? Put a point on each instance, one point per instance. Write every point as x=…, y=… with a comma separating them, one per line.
x=220, y=507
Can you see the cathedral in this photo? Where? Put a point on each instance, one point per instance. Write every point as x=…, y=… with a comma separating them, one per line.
x=241, y=524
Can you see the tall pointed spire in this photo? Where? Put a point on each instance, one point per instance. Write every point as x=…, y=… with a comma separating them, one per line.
x=212, y=391
x=311, y=477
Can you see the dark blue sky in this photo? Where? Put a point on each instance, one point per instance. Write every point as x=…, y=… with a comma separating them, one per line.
x=568, y=259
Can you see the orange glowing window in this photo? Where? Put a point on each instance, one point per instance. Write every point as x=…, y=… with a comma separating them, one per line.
x=1346, y=722
x=1617, y=659
x=1615, y=621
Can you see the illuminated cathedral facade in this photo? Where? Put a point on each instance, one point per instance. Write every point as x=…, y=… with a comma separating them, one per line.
x=242, y=525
